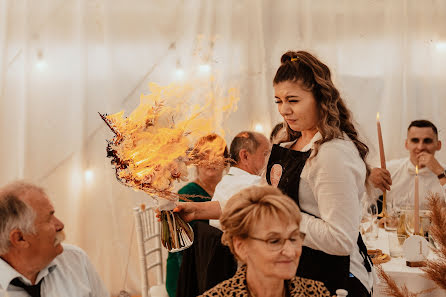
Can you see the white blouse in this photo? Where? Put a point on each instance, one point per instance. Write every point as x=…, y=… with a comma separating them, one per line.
x=331, y=186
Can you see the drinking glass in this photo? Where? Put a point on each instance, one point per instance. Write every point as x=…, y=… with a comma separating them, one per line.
x=369, y=223
x=391, y=221
x=396, y=242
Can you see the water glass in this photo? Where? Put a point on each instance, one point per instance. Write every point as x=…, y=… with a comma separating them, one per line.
x=369, y=224
x=396, y=244
x=391, y=221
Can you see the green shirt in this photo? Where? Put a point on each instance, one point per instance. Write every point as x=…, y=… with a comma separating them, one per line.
x=194, y=189
x=174, y=259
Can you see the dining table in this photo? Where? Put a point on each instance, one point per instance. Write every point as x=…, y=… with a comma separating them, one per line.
x=412, y=277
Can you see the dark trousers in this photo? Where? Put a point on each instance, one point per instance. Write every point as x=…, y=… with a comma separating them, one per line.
x=356, y=288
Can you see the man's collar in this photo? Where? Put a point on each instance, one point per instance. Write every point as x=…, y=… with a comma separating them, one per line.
x=45, y=271
x=8, y=273
x=237, y=171
x=421, y=171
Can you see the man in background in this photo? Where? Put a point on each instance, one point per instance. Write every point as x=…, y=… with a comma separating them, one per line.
x=398, y=179
x=249, y=152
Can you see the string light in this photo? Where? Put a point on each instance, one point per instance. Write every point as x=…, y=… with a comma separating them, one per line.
x=259, y=128
x=179, y=72
x=88, y=174
x=41, y=64
x=441, y=46
x=205, y=68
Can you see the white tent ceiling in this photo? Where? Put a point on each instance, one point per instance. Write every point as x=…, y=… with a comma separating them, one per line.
x=62, y=61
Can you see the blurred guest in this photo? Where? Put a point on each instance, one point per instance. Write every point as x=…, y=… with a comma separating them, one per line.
x=212, y=155
x=422, y=143
x=248, y=152
x=261, y=227
x=33, y=261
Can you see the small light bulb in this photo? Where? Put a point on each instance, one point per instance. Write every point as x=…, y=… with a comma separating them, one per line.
x=258, y=128
x=88, y=175
x=179, y=73
x=41, y=65
x=441, y=46
x=205, y=68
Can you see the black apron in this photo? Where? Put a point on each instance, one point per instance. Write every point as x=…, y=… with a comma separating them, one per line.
x=332, y=270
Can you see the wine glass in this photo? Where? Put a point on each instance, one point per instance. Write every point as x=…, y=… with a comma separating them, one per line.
x=369, y=222
x=391, y=221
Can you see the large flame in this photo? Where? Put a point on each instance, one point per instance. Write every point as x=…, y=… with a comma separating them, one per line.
x=154, y=144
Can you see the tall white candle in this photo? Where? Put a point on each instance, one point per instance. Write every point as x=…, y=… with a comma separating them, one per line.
x=380, y=142
x=416, y=222
x=383, y=161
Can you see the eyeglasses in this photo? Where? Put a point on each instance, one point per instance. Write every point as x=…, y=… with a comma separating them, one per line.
x=276, y=244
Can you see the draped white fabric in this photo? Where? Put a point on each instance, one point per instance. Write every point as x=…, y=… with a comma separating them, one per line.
x=62, y=61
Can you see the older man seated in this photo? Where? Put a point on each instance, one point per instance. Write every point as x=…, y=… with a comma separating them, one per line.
x=33, y=262
x=249, y=151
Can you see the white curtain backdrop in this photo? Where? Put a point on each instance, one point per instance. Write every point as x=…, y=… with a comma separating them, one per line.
x=63, y=61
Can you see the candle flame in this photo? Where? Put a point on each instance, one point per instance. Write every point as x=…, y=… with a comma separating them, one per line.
x=416, y=169
x=377, y=116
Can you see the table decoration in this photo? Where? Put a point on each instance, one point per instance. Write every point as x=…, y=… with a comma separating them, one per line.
x=152, y=147
x=383, y=163
x=417, y=204
x=392, y=289
x=436, y=269
x=416, y=251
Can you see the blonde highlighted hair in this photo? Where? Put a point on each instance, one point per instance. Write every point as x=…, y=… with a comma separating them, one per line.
x=252, y=205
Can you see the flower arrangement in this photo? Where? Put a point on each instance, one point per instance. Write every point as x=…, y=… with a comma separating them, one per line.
x=152, y=147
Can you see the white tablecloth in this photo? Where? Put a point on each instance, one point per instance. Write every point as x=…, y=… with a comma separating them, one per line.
x=396, y=268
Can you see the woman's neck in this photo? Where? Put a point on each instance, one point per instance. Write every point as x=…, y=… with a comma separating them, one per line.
x=261, y=286
x=304, y=139
x=208, y=186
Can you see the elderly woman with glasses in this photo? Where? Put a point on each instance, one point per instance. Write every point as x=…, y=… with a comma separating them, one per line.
x=261, y=227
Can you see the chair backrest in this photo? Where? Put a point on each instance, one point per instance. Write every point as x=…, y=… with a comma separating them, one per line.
x=149, y=247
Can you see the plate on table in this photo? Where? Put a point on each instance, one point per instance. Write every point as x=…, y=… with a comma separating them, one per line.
x=378, y=257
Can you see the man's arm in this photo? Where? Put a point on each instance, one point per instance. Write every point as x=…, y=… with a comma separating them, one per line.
x=428, y=160
x=190, y=211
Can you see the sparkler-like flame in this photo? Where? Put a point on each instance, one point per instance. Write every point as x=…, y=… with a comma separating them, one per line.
x=152, y=147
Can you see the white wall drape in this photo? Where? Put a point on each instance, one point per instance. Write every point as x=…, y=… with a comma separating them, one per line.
x=62, y=61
